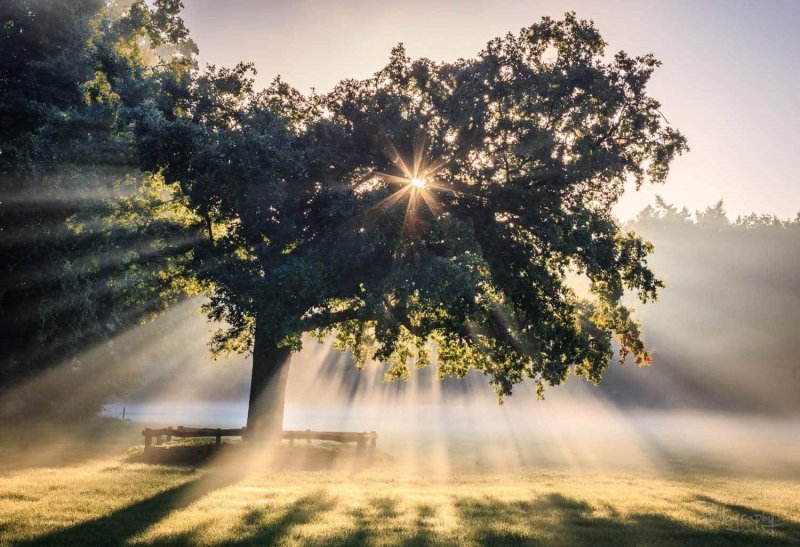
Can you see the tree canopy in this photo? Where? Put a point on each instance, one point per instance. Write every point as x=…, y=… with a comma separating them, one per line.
x=434, y=212
x=434, y=206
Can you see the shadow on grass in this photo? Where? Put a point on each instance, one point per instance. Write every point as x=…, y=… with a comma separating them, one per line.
x=557, y=520
x=548, y=520
x=189, y=455
x=58, y=445
x=277, y=458
x=422, y=532
x=552, y=519
x=119, y=526
x=260, y=528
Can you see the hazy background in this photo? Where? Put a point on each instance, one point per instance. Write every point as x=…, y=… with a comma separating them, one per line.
x=722, y=391
x=723, y=336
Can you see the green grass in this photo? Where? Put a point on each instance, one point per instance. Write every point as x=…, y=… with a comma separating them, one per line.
x=314, y=495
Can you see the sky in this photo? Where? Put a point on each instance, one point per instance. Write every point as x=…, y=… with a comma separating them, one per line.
x=729, y=80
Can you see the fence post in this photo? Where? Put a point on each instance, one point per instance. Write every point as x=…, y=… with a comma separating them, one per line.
x=169, y=434
x=219, y=438
x=147, y=439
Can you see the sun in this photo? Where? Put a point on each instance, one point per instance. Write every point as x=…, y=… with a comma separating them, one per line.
x=417, y=180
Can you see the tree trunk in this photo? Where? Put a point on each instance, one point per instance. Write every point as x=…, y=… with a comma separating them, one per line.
x=267, y=387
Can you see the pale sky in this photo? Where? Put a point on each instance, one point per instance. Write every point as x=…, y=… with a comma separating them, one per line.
x=729, y=81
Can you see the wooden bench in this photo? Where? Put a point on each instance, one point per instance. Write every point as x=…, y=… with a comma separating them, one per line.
x=362, y=440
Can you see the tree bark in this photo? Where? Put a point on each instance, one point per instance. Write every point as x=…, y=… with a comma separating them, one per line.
x=267, y=387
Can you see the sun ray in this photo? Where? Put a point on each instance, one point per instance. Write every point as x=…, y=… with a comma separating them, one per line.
x=393, y=198
x=431, y=201
x=398, y=160
x=394, y=179
x=437, y=165
x=419, y=152
x=411, y=208
x=435, y=185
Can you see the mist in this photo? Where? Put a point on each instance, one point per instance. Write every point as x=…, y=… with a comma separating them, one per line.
x=724, y=380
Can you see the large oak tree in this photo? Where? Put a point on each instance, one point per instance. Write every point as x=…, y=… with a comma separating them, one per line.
x=435, y=208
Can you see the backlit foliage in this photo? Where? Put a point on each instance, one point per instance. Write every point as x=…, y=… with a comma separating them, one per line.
x=533, y=140
x=88, y=245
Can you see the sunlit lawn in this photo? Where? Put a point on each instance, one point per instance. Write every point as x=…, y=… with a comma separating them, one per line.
x=110, y=501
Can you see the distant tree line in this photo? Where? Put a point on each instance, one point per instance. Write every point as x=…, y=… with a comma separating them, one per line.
x=724, y=333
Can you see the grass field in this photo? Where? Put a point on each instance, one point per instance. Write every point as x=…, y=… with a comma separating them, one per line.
x=317, y=496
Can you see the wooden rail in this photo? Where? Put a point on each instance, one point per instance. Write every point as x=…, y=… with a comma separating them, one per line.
x=361, y=439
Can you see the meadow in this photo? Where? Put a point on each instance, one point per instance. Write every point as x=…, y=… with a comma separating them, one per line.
x=322, y=495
